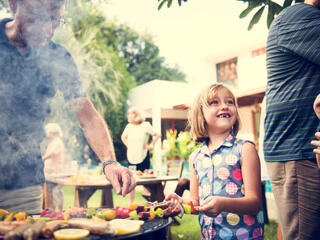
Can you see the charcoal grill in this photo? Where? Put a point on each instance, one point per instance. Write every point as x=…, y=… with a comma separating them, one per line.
x=155, y=229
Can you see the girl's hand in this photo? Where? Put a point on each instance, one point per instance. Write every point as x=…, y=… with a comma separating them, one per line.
x=212, y=206
x=174, y=197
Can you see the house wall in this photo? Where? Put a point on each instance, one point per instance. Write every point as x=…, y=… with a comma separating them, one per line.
x=252, y=71
x=246, y=130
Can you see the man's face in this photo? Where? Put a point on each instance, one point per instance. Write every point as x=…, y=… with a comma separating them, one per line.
x=37, y=20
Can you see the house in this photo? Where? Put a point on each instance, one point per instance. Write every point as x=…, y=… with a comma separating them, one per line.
x=166, y=103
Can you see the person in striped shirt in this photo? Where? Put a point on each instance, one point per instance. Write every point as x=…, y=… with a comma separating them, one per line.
x=293, y=67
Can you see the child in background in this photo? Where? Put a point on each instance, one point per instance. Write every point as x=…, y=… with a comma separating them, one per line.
x=54, y=162
x=225, y=183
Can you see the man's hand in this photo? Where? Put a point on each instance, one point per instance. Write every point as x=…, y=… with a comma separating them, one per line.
x=316, y=143
x=121, y=178
x=316, y=106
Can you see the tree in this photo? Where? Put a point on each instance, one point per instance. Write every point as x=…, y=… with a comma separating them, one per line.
x=273, y=9
x=112, y=59
x=139, y=53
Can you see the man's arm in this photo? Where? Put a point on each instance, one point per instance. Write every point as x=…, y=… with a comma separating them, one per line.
x=98, y=136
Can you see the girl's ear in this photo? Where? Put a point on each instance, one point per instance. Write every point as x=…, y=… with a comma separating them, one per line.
x=13, y=5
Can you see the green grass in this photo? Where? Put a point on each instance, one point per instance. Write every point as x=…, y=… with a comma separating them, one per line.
x=188, y=229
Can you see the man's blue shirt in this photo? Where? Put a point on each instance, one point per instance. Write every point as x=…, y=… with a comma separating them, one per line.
x=293, y=67
x=27, y=84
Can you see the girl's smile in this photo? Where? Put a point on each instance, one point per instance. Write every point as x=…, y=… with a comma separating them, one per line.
x=220, y=114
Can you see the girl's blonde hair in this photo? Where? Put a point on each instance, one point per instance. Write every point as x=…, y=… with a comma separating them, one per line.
x=139, y=116
x=196, y=120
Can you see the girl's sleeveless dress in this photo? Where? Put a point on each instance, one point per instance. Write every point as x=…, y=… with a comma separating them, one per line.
x=219, y=174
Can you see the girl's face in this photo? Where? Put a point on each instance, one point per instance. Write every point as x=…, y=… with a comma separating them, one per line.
x=221, y=114
x=131, y=117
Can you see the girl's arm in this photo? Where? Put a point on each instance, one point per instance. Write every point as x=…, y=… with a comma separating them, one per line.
x=194, y=184
x=251, y=202
x=194, y=187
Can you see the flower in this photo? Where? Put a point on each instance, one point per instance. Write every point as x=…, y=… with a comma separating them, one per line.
x=180, y=146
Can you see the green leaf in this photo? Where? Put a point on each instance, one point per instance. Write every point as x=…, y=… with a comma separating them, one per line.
x=161, y=4
x=179, y=2
x=169, y=3
x=276, y=6
x=270, y=17
x=252, y=5
x=256, y=17
x=245, y=12
x=287, y=3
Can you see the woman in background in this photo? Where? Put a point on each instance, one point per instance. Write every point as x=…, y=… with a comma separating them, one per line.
x=136, y=138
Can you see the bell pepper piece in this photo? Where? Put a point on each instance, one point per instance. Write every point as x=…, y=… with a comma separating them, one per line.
x=152, y=213
x=190, y=203
x=159, y=212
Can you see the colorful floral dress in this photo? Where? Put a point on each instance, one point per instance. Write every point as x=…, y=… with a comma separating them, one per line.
x=219, y=174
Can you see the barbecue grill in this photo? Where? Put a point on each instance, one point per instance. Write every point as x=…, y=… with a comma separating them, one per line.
x=156, y=229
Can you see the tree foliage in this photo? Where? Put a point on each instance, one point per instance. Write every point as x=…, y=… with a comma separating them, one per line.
x=260, y=6
x=112, y=58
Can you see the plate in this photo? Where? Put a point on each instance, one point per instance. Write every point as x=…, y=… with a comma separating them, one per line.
x=146, y=176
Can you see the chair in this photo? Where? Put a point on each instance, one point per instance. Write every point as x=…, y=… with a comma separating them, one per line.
x=174, y=168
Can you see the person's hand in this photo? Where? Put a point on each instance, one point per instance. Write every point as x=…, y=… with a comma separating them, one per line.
x=121, y=178
x=316, y=106
x=148, y=146
x=173, y=197
x=212, y=206
x=316, y=143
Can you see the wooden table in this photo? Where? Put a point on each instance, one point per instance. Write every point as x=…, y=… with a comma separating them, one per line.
x=84, y=188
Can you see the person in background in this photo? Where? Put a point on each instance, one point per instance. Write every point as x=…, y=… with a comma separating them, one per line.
x=136, y=137
x=33, y=68
x=225, y=184
x=54, y=161
x=293, y=72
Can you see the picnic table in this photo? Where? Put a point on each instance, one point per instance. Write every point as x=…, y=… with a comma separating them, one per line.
x=85, y=187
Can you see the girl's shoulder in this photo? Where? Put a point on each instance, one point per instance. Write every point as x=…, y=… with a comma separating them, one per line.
x=240, y=141
x=195, y=154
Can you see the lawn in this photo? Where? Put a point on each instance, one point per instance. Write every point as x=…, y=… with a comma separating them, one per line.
x=188, y=229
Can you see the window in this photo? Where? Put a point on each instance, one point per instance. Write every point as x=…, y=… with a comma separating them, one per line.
x=227, y=71
x=167, y=124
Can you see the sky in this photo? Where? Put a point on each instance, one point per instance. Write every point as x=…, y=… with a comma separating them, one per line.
x=191, y=34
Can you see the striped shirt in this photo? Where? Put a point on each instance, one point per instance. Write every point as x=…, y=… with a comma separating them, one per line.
x=293, y=66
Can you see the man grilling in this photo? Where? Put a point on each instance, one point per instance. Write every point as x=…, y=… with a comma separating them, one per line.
x=32, y=69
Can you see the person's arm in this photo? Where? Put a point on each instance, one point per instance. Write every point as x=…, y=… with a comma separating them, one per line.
x=124, y=138
x=99, y=138
x=156, y=136
x=194, y=186
x=194, y=183
x=251, y=202
x=52, y=150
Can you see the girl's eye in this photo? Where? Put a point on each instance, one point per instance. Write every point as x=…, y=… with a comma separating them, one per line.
x=214, y=102
x=230, y=102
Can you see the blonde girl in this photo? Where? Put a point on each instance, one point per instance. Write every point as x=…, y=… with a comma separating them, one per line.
x=225, y=180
